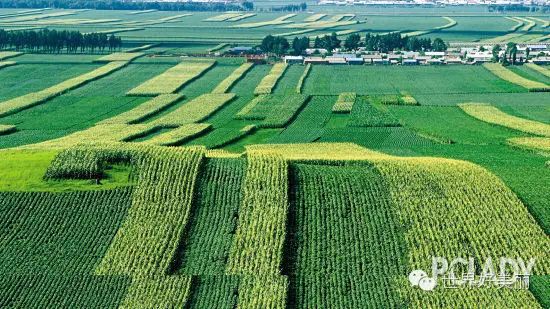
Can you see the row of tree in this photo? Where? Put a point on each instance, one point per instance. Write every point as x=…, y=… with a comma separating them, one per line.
x=289, y=8
x=381, y=43
x=128, y=5
x=510, y=54
x=53, y=41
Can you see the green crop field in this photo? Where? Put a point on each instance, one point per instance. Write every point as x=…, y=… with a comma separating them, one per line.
x=165, y=175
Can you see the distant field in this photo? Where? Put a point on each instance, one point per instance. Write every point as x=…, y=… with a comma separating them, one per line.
x=201, y=28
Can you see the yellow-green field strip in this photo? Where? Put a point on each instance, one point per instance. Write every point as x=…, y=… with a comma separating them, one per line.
x=315, y=17
x=235, y=76
x=538, y=68
x=345, y=102
x=268, y=83
x=277, y=21
x=5, y=64
x=145, y=110
x=8, y=54
x=544, y=23
x=507, y=75
x=195, y=110
x=123, y=56
x=172, y=79
x=303, y=78
x=179, y=135
x=6, y=129
x=34, y=98
x=493, y=115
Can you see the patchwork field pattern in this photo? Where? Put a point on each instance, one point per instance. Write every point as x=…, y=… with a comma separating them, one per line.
x=215, y=183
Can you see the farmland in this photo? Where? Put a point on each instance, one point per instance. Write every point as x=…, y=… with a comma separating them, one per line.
x=165, y=176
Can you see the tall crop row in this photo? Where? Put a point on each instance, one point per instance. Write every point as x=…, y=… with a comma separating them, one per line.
x=268, y=83
x=158, y=292
x=366, y=114
x=456, y=209
x=258, y=244
x=227, y=83
x=172, y=79
x=145, y=110
x=34, y=98
x=213, y=223
x=347, y=246
x=345, y=102
x=302, y=79
x=147, y=241
x=274, y=110
x=507, y=75
x=491, y=114
x=263, y=292
x=195, y=110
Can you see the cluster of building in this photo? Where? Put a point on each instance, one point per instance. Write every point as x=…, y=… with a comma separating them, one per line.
x=539, y=54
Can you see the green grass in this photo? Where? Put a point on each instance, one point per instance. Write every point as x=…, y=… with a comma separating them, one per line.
x=23, y=170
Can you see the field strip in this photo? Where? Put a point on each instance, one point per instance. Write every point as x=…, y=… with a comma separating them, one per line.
x=223, y=17
x=117, y=30
x=37, y=17
x=315, y=17
x=227, y=137
x=295, y=32
x=529, y=24
x=243, y=113
x=277, y=21
x=318, y=25
x=451, y=23
x=169, y=19
x=503, y=38
x=302, y=80
x=74, y=22
x=533, y=143
x=218, y=47
x=345, y=102
x=234, y=77
x=5, y=64
x=180, y=135
x=241, y=17
x=493, y=115
x=145, y=110
x=268, y=83
x=538, y=68
x=31, y=99
x=140, y=48
x=507, y=75
x=257, y=247
x=9, y=54
x=544, y=23
x=7, y=129
x=519, y=22
x=121, y=56
x=263, y=291
x=195, y=110
x=172, y=79
x=338, y=33
x=142, y=12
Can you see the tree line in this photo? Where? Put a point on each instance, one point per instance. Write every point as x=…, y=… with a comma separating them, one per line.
x=53, y=41
x=381, y=43
x=127, y=5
